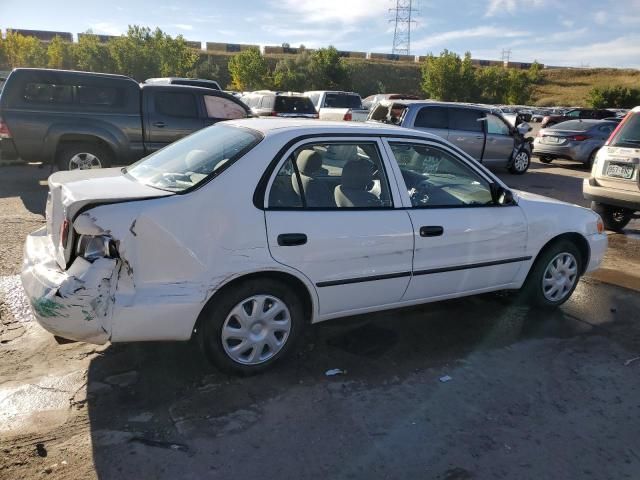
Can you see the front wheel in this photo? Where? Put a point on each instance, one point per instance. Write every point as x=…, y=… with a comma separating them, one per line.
x=250, y=327
x=554, y=275
x=614, y=218
x=520, y=163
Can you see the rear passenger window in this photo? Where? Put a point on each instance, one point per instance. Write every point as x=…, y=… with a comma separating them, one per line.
x=48, y=93
x=175, y=104
x=332, y=176
x=465, y=119
x=495, y=126
x=106, y=96
x=218, y=107
x=432, y=117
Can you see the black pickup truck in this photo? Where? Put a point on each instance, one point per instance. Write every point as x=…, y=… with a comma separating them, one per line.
x=93, y=120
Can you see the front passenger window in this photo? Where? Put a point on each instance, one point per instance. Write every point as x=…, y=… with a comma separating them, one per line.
x=435, y=178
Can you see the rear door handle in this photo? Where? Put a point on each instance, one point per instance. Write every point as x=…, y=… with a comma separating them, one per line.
x=160, y=124
x=291, y=239
x=431, y=231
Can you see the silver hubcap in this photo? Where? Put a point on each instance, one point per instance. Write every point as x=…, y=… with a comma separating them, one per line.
x=521, y=161
x=84, y=161
x=559, y=277
x=256, y=329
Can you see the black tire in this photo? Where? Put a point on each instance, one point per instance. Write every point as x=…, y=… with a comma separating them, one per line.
x=614, y=218
x=592, y=159
x=546, y=159
x=81, y=150
x=532, y=291
x=215, y=314
x=522, y=169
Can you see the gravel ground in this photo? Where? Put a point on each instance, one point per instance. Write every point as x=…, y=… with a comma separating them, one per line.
x=472, y=388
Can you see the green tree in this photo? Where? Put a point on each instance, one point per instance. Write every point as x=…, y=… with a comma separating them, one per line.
x=59, y=54
x=91, y=55
x=292, y=73
x=493, y=84
x=518, y=87
x=24, y=51
x=205, y=68
x=468, y=91
x=535, y=72
x=248, y=70
x=613, y=97
x=327, y=70
x=442, y=76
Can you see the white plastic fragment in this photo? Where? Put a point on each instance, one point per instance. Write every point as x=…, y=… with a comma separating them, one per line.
x=630, y=361
x=446, y=379
x=335, y=371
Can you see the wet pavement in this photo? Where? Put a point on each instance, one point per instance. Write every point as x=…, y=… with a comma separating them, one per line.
x=532, y=393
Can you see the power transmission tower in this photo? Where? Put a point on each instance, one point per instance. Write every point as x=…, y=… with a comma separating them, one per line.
x=402, y=33
x=506, y=56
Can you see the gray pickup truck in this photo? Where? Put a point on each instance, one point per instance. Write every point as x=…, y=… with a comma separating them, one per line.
x=480, y=131
x=78, y=120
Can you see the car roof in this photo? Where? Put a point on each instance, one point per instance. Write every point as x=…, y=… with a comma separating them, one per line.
x=589, y=122
x=437, y=103
x=315, y=127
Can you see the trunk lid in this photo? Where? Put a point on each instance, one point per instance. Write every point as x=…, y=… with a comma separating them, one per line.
x=618, y=167
x=71, y=191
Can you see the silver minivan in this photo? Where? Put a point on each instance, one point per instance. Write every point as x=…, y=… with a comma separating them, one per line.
x=481, y=132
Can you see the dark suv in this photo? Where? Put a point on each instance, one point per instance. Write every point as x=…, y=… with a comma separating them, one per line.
x=92, y=120
x=267, y=103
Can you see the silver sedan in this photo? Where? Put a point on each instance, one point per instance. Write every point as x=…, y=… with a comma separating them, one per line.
x=577, y=140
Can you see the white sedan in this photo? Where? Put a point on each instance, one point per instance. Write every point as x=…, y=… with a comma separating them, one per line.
x=246, y=231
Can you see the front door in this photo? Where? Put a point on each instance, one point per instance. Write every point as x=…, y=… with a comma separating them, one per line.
x=500, y=141
x=464, y=242
x=331, y=214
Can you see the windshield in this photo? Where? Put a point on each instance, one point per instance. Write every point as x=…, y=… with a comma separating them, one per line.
x=342, y=100
x=188, y=162
x=629, y=134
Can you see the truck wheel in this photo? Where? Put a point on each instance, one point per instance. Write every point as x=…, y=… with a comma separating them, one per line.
x=250, y=327
x=83, y=156
x=520, y=163
x=614, y=218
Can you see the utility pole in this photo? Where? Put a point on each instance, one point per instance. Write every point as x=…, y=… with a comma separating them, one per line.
x=403, y=13
x=506, y=56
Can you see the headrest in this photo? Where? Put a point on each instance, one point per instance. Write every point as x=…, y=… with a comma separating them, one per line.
x=309, y=162
x=195, y=158
x=357, y=175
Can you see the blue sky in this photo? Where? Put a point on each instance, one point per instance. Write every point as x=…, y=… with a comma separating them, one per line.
x=596, y=33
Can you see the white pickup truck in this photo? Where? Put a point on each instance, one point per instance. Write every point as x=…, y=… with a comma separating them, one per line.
x=335, y=105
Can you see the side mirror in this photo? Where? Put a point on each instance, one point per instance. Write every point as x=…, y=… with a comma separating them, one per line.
x=501, y=195
x=524, y=128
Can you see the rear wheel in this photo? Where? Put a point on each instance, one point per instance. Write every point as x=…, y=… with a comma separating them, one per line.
x=250, y=327
x=614, y=218
x=546, y=159
x=520, y=163
x=592, y=159
x=83, y=156
x=554, y=275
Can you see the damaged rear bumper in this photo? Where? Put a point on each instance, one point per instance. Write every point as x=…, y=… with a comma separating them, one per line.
x=75, y=304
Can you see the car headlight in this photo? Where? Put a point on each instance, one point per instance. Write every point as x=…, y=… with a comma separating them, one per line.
x=92, y=247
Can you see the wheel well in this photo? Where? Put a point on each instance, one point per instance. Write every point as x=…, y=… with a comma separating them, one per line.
x=578, y=240
x=298, y=286
x=70, y=139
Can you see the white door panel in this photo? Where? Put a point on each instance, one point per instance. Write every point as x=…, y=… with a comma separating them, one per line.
x=478, y=248
x=343, y=248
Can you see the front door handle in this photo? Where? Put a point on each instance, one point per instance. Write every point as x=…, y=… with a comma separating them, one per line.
x=160, y=124
x=291, y=239
x=431, y=231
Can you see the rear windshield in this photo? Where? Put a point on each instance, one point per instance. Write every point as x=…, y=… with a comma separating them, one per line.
x=629, y=133
x=294, y=105
x=342, y=100
x=190, y=161
x=573, y=125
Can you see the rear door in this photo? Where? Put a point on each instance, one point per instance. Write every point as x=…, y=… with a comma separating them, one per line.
x=433, y=120
x=357, y=254
x=500, y=142
x=170, y=115
x=466, y=130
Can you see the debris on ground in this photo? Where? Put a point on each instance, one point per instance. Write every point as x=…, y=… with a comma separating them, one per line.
x=446, y=379
x=335, y=371
x=123, y=379
x=630, y=361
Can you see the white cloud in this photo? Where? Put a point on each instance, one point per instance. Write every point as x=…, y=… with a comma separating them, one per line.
x=511, y=7
x=601, y=17
x=183, y=26
x=567, y=23
x=479, y=32
x=106, y=28
x=334, y=11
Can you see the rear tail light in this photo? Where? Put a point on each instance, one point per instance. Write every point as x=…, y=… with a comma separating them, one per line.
x=615, y=132
x=274, y=114
x=4, y=129
x=64, y=233
x=579, y=138
x=348, y=117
